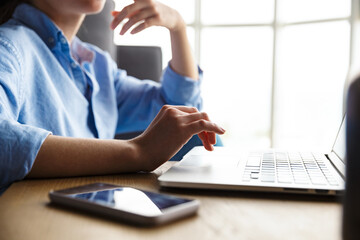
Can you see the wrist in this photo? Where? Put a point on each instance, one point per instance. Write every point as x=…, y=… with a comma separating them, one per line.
x=179, y=26
x=127, y=157
x=140, y=154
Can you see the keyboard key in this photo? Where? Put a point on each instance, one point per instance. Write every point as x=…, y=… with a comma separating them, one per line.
x=319, y=182
x=301, y=182
x=293, y=167
x=267, y=179
x=334, y=183
x=254, y=161
x=285, y=180
x=254, y=175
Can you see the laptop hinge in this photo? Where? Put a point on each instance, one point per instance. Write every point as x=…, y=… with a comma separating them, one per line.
x=337, y=163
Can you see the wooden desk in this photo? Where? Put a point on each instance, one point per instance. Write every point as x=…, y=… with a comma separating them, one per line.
x=25, y=213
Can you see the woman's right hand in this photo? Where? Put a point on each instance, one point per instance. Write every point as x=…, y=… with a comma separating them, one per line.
x=147, y=13
x=170, y=130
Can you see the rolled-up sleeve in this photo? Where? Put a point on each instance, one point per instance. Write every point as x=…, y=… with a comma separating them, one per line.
x=19, y=147
x=181, y=90
x=19, y=143
x=140, y=100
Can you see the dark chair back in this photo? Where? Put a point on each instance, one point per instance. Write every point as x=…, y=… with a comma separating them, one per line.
x=143, y=62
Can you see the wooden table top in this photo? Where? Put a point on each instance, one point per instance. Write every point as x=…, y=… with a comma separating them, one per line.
x=25, y=213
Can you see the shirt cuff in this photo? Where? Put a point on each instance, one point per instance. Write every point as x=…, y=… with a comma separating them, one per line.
x=181, y=90
x=21, y=145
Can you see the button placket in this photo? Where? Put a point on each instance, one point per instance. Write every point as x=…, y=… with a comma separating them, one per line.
x=63, y=40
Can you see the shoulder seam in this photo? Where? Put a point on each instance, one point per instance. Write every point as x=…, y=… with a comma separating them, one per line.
x=9, y=46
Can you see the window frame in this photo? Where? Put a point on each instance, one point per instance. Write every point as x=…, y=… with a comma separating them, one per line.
x=276, y=27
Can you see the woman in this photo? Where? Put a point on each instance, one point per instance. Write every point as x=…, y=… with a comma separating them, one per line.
x=61, y=100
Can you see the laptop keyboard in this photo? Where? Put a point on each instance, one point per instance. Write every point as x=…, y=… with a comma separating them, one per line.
x=288, y=168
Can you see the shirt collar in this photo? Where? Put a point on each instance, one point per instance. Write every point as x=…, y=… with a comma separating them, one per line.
x=49, y=32
x=81, y=52
x=40, y=23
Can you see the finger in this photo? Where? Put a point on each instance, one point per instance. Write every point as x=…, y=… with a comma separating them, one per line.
x=210, y=136
x=118, y=18
x=205, y=141
x=176, y=110
x=191, y=117
x=143, y=14
x=204, y=125
x=147, y=23
x=186, y=109
x=204, y=138
x=183, y=109
x=126, y=12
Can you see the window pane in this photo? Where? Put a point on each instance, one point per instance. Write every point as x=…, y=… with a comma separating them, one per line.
x=237, y=11
x=312, y=67
x=237, y=65
x=306, y=10
x=185, y=7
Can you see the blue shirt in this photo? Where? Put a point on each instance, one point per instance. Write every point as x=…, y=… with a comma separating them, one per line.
x=50, y=87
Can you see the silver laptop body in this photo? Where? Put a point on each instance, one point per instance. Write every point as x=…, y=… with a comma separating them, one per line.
x=272, y=170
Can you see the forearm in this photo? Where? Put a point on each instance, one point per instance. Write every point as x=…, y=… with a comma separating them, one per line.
x=182, y=61
x=153, y=13
x=168, y=132
x=64, y=156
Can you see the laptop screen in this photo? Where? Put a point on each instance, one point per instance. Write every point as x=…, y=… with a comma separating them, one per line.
x=339, y=145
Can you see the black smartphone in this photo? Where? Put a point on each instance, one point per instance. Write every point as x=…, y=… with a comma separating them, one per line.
x=126, y=204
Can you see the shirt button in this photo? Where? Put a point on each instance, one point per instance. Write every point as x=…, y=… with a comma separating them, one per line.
x=63, y=40
x=73, y=65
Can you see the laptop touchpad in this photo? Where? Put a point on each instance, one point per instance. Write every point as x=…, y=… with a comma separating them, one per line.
x=210, y=161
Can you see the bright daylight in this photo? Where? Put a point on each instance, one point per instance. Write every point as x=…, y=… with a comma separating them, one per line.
x=180, y=119
x=274, y=71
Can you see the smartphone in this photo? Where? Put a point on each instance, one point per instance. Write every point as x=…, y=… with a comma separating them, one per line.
x=126, y=204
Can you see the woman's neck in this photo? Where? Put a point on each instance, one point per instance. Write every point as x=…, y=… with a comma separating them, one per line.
x=69, y=23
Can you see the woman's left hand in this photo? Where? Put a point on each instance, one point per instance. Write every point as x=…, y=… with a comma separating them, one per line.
x=149, y=13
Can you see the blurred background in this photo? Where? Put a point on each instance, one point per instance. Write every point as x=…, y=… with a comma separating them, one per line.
x=274, y=70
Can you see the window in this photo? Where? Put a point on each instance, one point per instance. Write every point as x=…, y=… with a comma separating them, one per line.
x=274, y=70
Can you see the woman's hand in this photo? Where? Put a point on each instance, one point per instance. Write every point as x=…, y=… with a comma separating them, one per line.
x=149, y=13
x=170, y=130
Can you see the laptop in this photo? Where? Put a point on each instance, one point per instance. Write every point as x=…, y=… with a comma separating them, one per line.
x=271, y=170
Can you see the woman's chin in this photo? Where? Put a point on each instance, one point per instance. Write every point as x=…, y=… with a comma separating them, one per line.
x=94, y=6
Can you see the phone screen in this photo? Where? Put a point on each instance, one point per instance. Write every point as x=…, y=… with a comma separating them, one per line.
x=132, y=200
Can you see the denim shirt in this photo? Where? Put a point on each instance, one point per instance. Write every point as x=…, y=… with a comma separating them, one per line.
x=48, y=86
